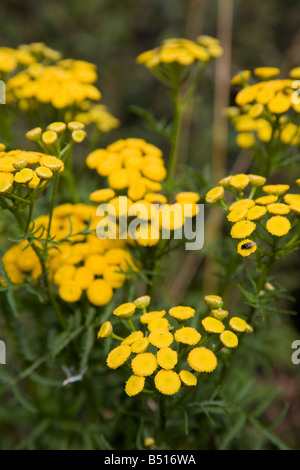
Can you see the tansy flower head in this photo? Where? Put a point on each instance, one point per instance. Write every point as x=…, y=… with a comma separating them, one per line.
x=99, y=292
x=140, y=346
x=237, y=214
x=242, y=229
x=219, y=313
x=34, y=134
x=144, y=364
x=142, y=302
x=24, y=176
x=278, y=225
x=160, y=338
x=118, y=356
x=70, y=291
x=136, y=335
x=246, y=247
x=266, y=72
x=229, y=339
x=182, y=313
x=278, y=208
x=256, y=212
x=202, y=360
x=102, y=195
x=187, y=378
x=212, y=325
x=159, y=324
x=239, y=181
x=106, y=330
x=238, y=324
x=134, y=385
x=291, y=198
x=147, y=317
x=44, y=173
x=125, y=310
x=167, y=382
x=167, y=358
x=214, y=195
x=265, y=200
x=49, y=137
x=58, y=127
x=242, y=203
x=276, y=189
x=187, y=335
x=257, y=180
x=214, y=301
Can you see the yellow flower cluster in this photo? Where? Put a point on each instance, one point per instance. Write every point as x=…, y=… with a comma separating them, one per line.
x=21, y=169
x=266, y=109
x=79, y=263
x=131, y=165
x=165, y=350
x=11, y=59
x=99, y=115
x=65, y=84
x=182, y=51
x=270, y=210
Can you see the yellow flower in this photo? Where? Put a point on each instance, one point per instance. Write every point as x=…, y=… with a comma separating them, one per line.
x=144, y=364
x=167, y=382
x=78, y=136
x=49, y=137
x=43, y=173
x=202, y=360
x=140, y=346
x=158, y=324
x=53, y=163
x=96, y=263
x=265, y=200
x=295, y=208
x=257, y=180
x=212, y=325
x=24, y=176
x=106, y=330
x=187, y=197
x=280, y=103
x=278, y=225
x=256, y=212
x=237, y=214
x=229, y=339
x=160, y=338
x=187, y=378
x=242, y=203
x=134, y=385
x=182, y=313
x=245, y=140
x=58, y=127
x=113, y=277
x=291, y=198
x=238, y=324
x=219, y=313
x=135, y=336
x=149, y=442
x=278, y=208
x=277, y=189
x=34, y=134
x=118, y=356
x=214, y=301
x=167, y=358
x=187, y=335
x=242, y=229
x=266, y=72
x=99, y=292
x=64, y=273
x=125, y=310
x=142, y=302
x=246, y=247
x=214, y=195
x=239, y=181
x=70, y=291
x=147, y=317
x=102, y=195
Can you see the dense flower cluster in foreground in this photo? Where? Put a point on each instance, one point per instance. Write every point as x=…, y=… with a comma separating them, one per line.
x=267, y=109
x=79, y=263
x=163, y=351
x=275, y=212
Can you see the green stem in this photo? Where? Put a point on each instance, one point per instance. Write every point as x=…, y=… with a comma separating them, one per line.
x=175, y=137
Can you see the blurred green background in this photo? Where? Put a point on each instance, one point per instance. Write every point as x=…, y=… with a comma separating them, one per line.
x=111, y=34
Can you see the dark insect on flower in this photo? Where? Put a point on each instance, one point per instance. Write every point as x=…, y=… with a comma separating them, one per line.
x=248, y=245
